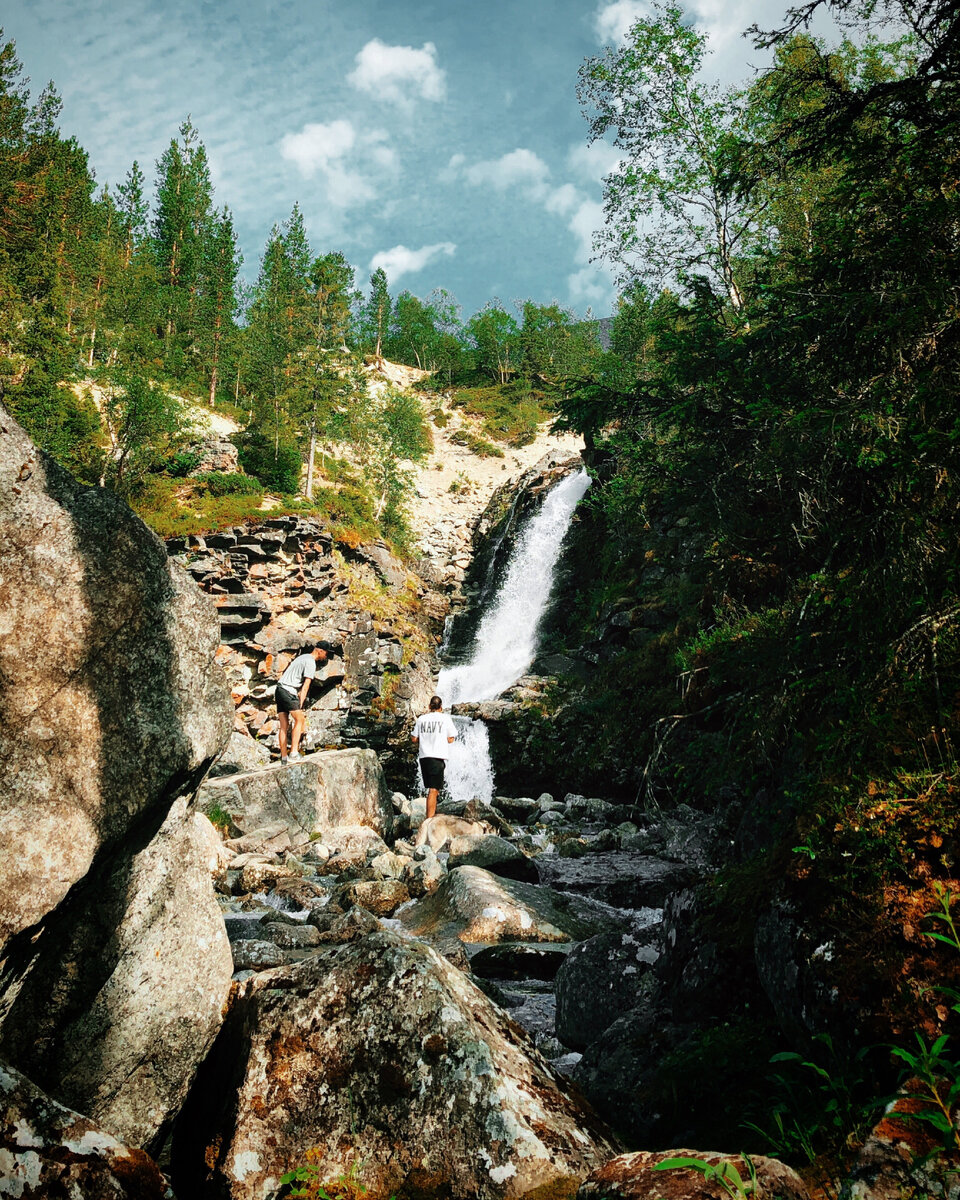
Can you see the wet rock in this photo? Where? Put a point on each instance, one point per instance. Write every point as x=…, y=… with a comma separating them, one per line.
x=635, y=1177
x=521, y=808
x=386, y=1038
x=290, y=937
x=317, y=795
x=48, y=1151
x=127, y=990
x=599, y=981
x=382, y=897
x=476, y=906
x=494, y=854
x=268, y=839
x=622, y=878
x=111, y=703
x=425, y=873
x=520, y=960
x=256, y=954
x=353, y=846
x=586, y=808
x=389, y=865
x=792, y=964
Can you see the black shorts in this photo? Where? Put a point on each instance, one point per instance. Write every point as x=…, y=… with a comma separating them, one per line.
x=287, y=701
x=432, y=771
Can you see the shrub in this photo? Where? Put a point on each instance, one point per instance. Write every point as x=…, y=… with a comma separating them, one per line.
x=180, y=465
x=228, y=483
x=275, y=465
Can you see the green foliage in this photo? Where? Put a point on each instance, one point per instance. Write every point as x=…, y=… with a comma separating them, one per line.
x=725, y=1173
x=180, y=465
x=224, y=483
x=274, y=463
x=509, y=413
x=475, y=444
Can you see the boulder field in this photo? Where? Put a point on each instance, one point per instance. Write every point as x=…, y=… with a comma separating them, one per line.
x=240, y=975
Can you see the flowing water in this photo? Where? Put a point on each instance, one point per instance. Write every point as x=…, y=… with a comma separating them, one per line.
x=506, y=641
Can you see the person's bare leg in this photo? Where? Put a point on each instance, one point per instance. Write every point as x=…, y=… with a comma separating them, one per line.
x=282, y=735
x=432, y=795
x=299, y=724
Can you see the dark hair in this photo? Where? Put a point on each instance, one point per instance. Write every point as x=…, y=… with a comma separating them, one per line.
x=435, y=703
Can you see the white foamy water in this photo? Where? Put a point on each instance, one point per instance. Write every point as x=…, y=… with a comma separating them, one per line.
x=506, y=642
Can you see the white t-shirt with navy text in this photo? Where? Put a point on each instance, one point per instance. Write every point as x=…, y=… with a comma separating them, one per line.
x=432, y=731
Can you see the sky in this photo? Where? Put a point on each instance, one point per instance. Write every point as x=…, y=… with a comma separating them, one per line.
x=440, y=139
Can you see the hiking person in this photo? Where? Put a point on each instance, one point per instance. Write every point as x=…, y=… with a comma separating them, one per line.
x=433, y=733
x=291, y=695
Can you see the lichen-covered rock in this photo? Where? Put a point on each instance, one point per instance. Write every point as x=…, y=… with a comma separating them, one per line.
x=379, y=896
x=599, y=981
x=127, y=989
x=242, y=753
x=476, y=906
x=256, y=954
x=635, y=1177
x=902, y=1156
x=111, y=703
x=316, y=795
x=48, y=1151
x=381, y=1052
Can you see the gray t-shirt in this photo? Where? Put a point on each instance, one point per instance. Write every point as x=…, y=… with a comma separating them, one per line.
x=304, y=666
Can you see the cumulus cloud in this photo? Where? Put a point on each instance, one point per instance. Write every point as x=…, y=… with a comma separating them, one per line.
x=350, y=164
x=614, y=20
x=591, y=163
x=585, y=221
x=520, y=168
x=592, y=286
x=399, y=74
x=400, y=261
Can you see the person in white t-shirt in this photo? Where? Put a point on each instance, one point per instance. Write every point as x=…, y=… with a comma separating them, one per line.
x=433, y=733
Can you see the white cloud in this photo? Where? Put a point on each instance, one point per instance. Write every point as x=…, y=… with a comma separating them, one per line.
x=317, y=146
x=592, y=286
x=592, y=162
x=349, y=163
x=399, y=74
x=583, y=223
x=519, y=168
x=613, y=21
x=400, y=261
x=562, y=199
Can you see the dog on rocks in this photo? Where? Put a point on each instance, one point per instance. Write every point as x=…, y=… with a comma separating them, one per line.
x=437, y=831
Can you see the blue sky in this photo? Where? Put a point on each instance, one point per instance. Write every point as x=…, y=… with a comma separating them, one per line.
x=441, y=139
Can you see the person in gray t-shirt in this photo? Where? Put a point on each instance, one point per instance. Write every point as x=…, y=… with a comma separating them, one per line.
x=291, y=695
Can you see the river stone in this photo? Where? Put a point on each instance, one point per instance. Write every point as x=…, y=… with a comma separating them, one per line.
x=127, y=990
x=111, y=703
x=494, y=854
x=256, y=954
x=49, y=1151
x=382, y=897
x=598, y=982
x=619, y=877
x=635, y=1177
x=291, y=937
x=477, y=906
x=520, y=960
x=316, y=795
x=384, y=1053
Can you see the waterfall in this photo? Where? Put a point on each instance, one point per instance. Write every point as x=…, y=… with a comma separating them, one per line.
x=506, y=641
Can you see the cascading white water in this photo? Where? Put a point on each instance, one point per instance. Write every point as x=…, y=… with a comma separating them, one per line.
x=506, y=641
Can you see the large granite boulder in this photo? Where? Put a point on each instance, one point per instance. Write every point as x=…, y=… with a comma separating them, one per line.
x=48, y=1151
x=316, y=795
x=127, y=989
x=111, y=704
x=380, y=1057
x=637, y=1177
x=599, y=981
x=476, y=906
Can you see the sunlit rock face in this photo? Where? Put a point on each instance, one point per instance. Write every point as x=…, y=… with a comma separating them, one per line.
x=128, y=988
x=380, y=1053
x=111, y=704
